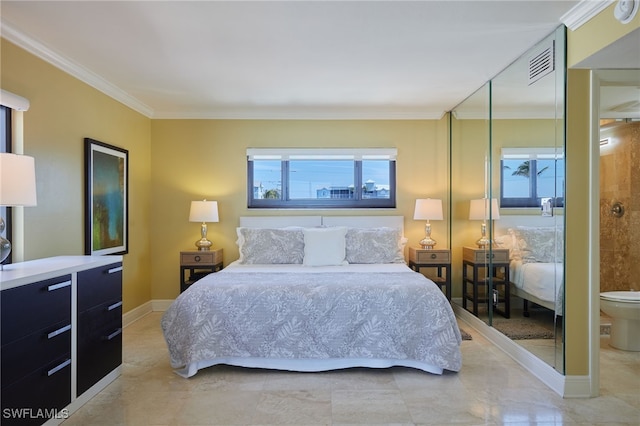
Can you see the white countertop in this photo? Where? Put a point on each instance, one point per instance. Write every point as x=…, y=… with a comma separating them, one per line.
x=17, y=274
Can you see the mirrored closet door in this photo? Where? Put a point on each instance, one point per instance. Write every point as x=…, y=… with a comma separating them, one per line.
x=507, y=200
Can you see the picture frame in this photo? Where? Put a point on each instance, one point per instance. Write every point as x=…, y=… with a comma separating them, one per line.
x=106, y=198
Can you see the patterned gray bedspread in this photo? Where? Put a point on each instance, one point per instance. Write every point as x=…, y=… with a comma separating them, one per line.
x=401, y=316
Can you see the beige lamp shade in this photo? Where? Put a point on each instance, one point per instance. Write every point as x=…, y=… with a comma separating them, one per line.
x=203, y=211
x=428, y=209
x=479, y=209
x=17, y=180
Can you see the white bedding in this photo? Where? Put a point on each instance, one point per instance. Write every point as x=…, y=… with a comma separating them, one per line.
x=541, y=280
x=301, y=318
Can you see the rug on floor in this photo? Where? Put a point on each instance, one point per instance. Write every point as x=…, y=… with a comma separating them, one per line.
x=539, y=325
x=465, y=335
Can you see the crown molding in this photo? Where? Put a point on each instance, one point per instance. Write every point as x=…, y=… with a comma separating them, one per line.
x=305, y=113
x=70, y=67
x=581, y=13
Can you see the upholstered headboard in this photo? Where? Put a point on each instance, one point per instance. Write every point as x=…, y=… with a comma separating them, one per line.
x=365, y=221
x=279, y=221
x=313, y=221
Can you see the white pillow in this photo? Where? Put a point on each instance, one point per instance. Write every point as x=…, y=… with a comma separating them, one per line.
x=324, y=246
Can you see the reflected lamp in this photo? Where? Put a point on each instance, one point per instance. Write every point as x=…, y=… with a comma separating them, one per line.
x=203, y=211
x=428, y=209
x=17, y=188
x=480, y=209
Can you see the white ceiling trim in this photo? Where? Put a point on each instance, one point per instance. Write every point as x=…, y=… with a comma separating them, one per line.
x=583, y=12
x=306, y=113
x=94, y=80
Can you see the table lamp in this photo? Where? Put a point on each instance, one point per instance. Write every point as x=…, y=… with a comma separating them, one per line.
x=479, y=210
x=428, y=209
x=203, y=211
x=17, y=188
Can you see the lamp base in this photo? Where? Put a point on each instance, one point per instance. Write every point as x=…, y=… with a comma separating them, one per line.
x=5, y=245
x=427, y=243
x=203, y=244
x=483, y=243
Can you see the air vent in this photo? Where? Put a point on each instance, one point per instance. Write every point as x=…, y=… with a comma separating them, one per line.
x=542, y=64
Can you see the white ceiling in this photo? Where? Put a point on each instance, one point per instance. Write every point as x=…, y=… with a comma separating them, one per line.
x=267, y=59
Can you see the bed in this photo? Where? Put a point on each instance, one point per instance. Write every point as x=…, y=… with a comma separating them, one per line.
x=314, y=294
x=536, y=267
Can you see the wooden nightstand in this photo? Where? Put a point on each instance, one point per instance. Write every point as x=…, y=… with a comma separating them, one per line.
x=437, y=259
x=198, y=264
x=477, y=260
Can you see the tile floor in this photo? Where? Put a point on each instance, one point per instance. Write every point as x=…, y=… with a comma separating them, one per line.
x=491, y=389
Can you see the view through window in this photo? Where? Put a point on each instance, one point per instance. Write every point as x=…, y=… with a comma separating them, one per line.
x=321, y=178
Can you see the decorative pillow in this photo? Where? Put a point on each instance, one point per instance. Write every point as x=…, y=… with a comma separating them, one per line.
x=270, y=245
x=508, y=241
x=374, y=245
x=539, y=244
x=324, y=246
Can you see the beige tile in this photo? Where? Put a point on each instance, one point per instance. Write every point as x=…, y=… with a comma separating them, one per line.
x=491, y=389
x=369, y=407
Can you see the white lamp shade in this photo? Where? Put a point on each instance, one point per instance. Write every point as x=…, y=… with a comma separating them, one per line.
x=203, y=211
x=428, y=209
x=479, y=209
x=17, y=180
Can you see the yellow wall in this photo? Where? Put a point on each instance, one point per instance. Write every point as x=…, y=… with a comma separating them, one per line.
x=63, y=112
x=577, y=225
x=196, y=159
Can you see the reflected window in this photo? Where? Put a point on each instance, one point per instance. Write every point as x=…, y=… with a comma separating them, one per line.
x=529, y=176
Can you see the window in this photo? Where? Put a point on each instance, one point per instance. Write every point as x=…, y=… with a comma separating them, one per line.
x=530, y=175
x=321, y=178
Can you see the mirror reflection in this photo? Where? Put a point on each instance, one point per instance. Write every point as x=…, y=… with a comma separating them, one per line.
x=507, y=149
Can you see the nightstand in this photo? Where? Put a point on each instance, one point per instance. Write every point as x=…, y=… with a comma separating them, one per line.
x=477, y=260
x=196, y=264
x=437, y=259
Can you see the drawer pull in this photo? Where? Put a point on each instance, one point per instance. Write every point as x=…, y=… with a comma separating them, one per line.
x=433, y=255
x=58, y=331
x=114, y=270
x=114, y=306
x=59, y=285
x=197, y=258
x=54, y=370
x=114, y=334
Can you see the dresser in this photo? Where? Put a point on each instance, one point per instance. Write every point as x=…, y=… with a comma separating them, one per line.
x=61, y=341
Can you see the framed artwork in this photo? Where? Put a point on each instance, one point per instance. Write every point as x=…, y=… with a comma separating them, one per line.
x=106, y=218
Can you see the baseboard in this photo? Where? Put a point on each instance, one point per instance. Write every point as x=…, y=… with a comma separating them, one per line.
x=136, y=313
x=577, y=387
x=565, y=386
x=161, y=305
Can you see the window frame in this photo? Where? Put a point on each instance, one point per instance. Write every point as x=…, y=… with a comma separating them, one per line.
x=532, y=155
x=284, y=155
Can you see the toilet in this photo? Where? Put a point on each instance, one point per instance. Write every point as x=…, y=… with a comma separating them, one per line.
x=624, y=309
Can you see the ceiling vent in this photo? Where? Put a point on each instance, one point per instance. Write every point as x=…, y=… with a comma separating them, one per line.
x=542, y=63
